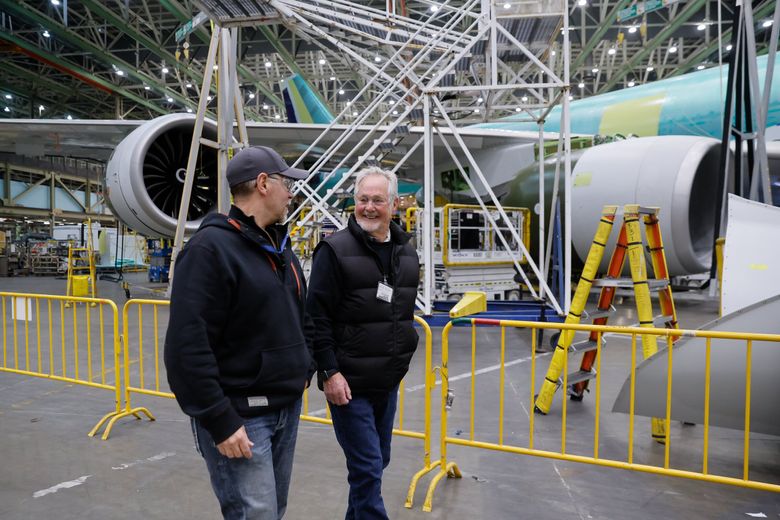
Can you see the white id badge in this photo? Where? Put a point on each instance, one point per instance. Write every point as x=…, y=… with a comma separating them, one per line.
x=384, y=292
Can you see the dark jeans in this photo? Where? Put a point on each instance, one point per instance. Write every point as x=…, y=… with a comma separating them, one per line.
x=254, y=488
x=364, y=428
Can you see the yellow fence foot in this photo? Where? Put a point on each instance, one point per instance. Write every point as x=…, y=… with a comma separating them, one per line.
x=413, y=484
x=99, y=425
x=134, y=412
x=451, y=471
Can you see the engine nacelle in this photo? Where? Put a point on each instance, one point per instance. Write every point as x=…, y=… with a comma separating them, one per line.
x=675, y=173
x=145, y=176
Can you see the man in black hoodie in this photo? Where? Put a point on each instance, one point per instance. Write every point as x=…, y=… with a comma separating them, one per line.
x=236, y=355
x=363, y=289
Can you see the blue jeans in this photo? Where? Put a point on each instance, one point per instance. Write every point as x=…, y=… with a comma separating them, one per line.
x=254, y=488
x=364, y=427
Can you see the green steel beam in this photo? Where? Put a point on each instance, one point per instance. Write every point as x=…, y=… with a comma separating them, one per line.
x=595, y=38
x=689, y=10
x=153, y=46
x=80, y=72
x=705, y=52
x=50, y=102
x=179, y=12
x=25, y=11
x=21, y=72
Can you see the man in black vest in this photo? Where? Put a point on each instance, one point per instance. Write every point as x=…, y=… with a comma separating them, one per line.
x=235, y=351
x=361, y=299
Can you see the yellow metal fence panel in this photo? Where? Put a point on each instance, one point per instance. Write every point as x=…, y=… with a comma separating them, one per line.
x=78, y=344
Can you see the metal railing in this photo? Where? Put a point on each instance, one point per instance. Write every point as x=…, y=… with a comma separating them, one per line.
x=448, y=468
x=34, y=329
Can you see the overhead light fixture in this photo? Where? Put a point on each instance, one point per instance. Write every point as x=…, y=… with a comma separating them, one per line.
x=524, y=99
x=507, y=5
x=581, y=85
x=729, y=47
x=55, y=2
x=46, y=33
x=632, y=29
x=701, y=27
x=395, y=112
x=189, y=110
x=69, y=117
x=349, y=102
x=189, y=85
x=215, y=67
x=6, y=109
x=165, y=70
x=611, y=51
x=582, y=3
x=480, y=100
x=354, y=113
x=120, y=72
x=700, y=67
x=8, y=96
x=341, y=92
x=209, y=98
x=277, y=116
x=476, y=111
x=251, y=95
x=377, y=59
x=631, y=83
x=518, y=109
x=268, y=64
x=434, y=8
x=571, y=98
x=767, y=23
x=332, y=78
x=672, y=49
x=322, y=61
x=170, y=100
x=594, y=70
x=649, y=68
x=147, y=87
x=553, y=53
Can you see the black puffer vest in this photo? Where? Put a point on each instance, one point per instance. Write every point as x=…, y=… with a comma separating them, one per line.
x=375, y=340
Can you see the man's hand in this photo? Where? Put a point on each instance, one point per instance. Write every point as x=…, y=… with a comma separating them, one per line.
x=337, y=389
x=237, y=445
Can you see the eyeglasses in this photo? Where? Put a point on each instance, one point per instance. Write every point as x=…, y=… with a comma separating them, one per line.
x=363, y=201
x=287, y=182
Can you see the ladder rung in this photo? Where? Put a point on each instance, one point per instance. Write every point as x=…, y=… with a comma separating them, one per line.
x=583, y=346
x=579, y=376
x=599, y=313
x=627, y=283
x=659, y=321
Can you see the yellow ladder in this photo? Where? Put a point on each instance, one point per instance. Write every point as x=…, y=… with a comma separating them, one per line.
x=82, y=260
x=630, y=243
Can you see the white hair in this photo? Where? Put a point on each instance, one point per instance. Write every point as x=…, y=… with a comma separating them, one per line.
x=392, y=180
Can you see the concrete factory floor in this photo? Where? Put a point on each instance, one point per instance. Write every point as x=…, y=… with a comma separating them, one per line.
x=50, y=468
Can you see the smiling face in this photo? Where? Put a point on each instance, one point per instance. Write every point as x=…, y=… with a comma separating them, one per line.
x=373, y=208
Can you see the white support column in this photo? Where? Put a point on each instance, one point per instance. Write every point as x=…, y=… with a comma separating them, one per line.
x=428, y=211
x=566, y=129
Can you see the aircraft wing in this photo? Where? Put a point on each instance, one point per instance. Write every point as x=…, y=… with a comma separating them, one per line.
x=96, y=139
x=88, y=139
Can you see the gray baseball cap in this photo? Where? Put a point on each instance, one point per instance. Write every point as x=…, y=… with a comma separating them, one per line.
x=251, y=162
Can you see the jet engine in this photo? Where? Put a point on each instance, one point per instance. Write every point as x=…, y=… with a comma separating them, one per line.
x=675, y=173
x=145, y=176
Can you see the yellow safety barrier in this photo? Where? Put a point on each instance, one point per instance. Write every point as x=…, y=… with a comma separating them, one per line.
x=448, y=468
x=88, y=357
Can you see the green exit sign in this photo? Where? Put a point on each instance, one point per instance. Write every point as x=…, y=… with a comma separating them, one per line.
x=641, y=8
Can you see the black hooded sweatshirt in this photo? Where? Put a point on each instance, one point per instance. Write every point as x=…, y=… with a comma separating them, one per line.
x=235, y=345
